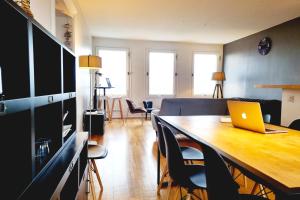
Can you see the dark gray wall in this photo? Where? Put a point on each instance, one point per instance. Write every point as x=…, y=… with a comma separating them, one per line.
x=244, y=66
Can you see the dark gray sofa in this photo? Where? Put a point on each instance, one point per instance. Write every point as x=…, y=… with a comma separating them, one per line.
x=271, y=109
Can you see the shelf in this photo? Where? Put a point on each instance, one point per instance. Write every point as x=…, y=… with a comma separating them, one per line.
x=47, y=63
x=69, y=71
x=48, y=128
x=16, y=152
x=70, y=188
x=52, y=180
x=70, y=116
x=17, y=105
x=284, y=86
x=14, y=58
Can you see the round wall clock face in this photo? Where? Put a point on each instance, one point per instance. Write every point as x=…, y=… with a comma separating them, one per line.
x=264, y=46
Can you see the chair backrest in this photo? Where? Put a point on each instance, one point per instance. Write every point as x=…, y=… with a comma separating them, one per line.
x=220, y=184
x=160, y=137
x=147, y=104
x=153, y=114
x=295, y=124
x=130, y=104
x=174, y=157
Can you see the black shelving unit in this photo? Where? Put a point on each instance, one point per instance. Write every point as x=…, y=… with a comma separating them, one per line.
x=38, y=103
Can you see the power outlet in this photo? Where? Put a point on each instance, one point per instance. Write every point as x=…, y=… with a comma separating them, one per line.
x=292, y=99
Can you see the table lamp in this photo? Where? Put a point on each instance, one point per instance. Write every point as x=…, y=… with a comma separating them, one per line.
x=218, y=77
x=90, y=62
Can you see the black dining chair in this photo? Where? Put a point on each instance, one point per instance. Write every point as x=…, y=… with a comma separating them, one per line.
x=189, y=154
x=295, y=124
x=220, y=184
x=190, y=177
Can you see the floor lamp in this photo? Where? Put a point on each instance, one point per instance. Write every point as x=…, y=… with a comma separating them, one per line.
x=218, y=77
x=90, y=62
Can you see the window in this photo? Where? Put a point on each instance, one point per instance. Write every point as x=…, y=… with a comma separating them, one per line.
x=114, y=67
x=204, y=66
x=161, y=73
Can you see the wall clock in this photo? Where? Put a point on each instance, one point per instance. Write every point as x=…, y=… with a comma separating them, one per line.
x=264, y=46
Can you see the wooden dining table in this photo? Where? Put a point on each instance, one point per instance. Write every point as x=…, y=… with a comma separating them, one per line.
x=270, y=159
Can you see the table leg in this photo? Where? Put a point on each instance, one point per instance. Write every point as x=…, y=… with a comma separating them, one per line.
x=95, y=99
x=104, y=103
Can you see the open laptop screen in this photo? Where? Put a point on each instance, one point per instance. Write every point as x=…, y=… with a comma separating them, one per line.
x=108, y=82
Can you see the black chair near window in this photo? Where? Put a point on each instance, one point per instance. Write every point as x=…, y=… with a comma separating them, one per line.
x=148, y=105
x=220, y=184
x=190, y=177
x=133, y=109
x=189, y=154
x=295, y=125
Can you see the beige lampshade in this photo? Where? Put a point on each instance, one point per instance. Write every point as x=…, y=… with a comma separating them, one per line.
x=90, y=62
x=218, y=76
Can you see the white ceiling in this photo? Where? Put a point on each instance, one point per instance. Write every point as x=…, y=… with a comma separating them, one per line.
x=204, y=21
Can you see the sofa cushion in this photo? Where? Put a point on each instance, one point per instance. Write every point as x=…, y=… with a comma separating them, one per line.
x=271, y=109
x=193, y=106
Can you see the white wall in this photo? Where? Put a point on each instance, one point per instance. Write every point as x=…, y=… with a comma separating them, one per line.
x=44, y=12
x=290, y=106
x=60, y=29
x=82, y=46
x=139, y=64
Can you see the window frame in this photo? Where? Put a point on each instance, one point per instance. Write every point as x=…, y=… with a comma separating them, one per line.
x=193, y=71
x=148, y=51
x=128, y=66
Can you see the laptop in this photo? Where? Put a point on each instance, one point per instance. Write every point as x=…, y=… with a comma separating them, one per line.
x=108, y=83
x=248, y=115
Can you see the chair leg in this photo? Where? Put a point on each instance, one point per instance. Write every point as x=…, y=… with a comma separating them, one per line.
x=164, y=174
x=188, y=196
x=97, y=174
x=169, y=188
x=112, y=108
x=177, y=193
x=91, y=179
x=109, y=112
x=245, y=181
x=121, y=110
x=202, y=194
x=263, y=191
x=255, y=187
x=126, y=115
x=158, y=164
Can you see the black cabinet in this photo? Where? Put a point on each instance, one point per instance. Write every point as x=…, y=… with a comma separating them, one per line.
x=40, y=147
x=97, y=122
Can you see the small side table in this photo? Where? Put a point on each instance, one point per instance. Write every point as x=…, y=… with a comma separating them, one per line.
x=97, y=122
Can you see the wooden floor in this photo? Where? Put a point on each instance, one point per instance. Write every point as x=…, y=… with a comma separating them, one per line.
x=129, y=170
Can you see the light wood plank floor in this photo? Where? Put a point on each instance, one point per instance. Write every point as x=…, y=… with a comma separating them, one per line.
x=129, y=170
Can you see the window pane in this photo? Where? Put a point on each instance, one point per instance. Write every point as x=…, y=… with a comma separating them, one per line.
x=161, y=73
x=114, y=67
x=204, y=66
